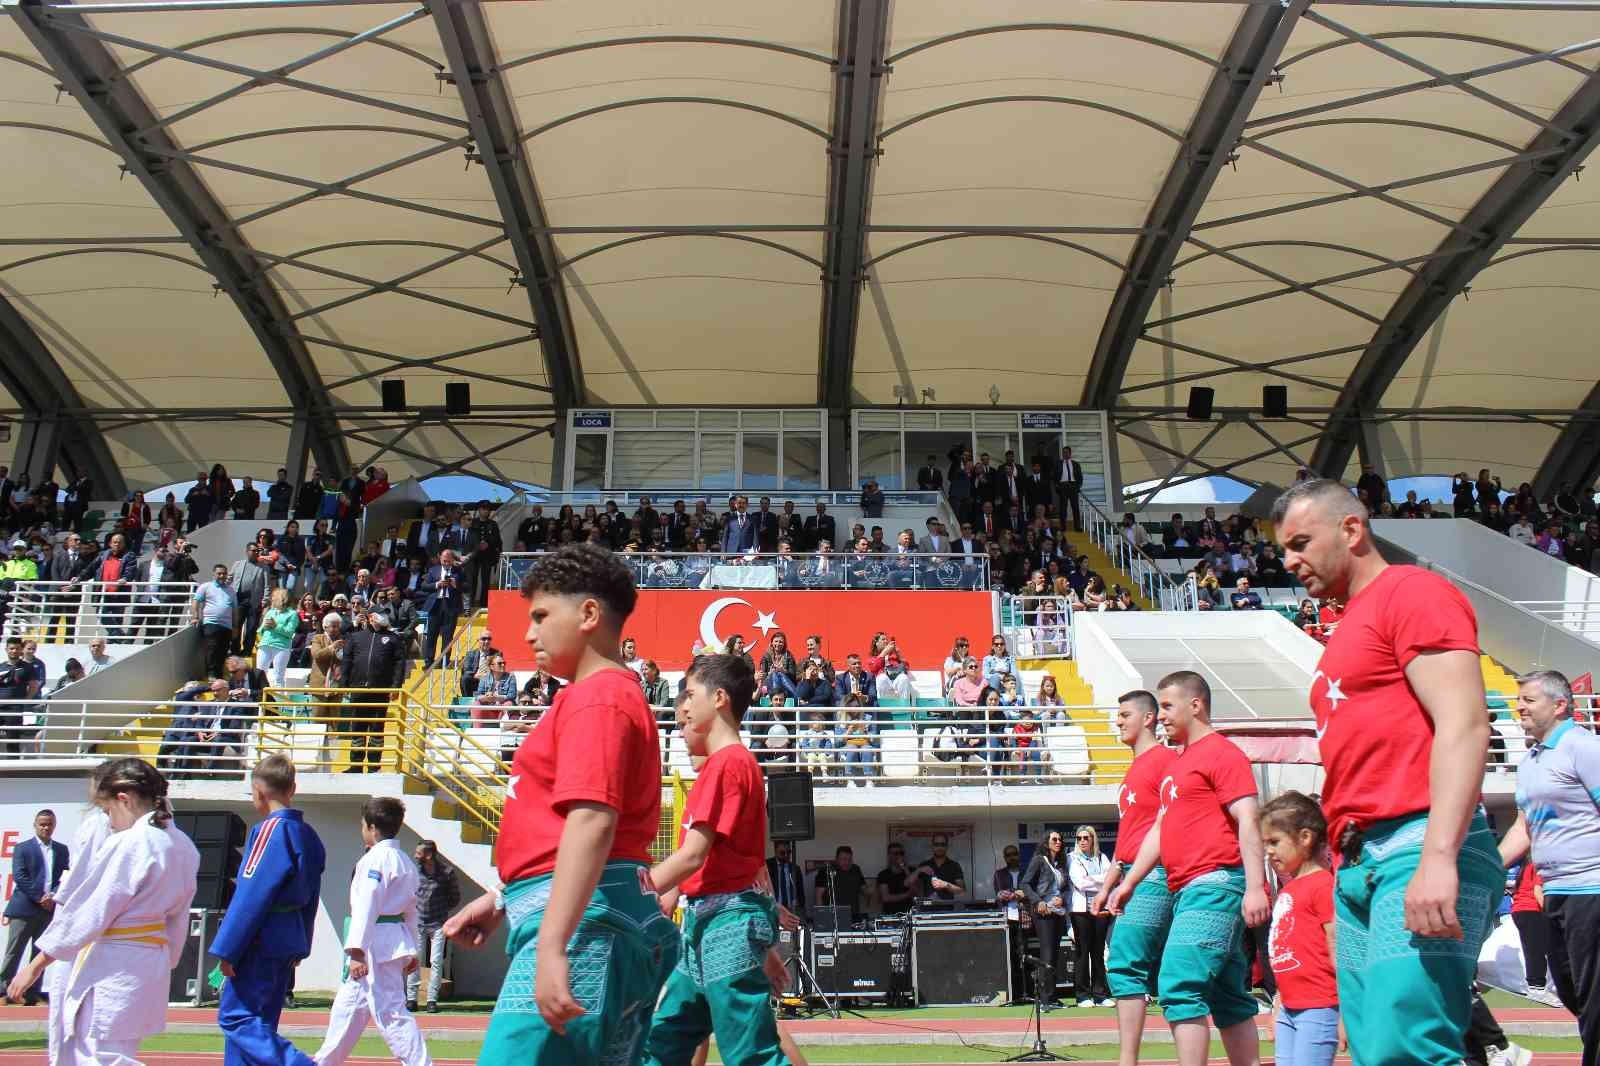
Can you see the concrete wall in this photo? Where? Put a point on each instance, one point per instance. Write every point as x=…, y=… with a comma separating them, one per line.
x=1492, y=560
x=150, y=673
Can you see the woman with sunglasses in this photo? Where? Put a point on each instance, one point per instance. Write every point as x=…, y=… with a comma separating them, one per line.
x=1087, y=870
x=998, y=664
x=1046, y=886
x=954, y=664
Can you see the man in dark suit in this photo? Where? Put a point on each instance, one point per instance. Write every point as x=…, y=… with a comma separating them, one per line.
x=71, y=566
x=929, y=477
x=1069, y=483
x=788, y=880
x=442, y=607
x=36, y=868
x=1008, y=893
x=989, y=524
x=680, y=526
x=739, y=534
x=820, y=527
x=766, y=527
x=533, y=530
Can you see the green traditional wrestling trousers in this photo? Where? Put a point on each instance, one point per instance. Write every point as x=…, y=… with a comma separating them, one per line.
x=1138, y=937
x=618, y=957
x=719, y=986
x=1203, y=967
x=1407, y=998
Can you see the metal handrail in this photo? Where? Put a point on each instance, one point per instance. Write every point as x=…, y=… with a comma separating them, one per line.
x=1036, y=639
x=581, y=498
x=844, y=570
x=1155, y=583
x=125, y=612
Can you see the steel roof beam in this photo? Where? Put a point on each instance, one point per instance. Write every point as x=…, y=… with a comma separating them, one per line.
x=42, y=388
x=1500, y=213
x=492, y=116
x=1258, y=41
x=87, y=70
x=852, y=158
x=1574, y=459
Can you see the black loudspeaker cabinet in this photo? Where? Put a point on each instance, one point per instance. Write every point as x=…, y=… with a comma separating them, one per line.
x=394, y=395
x=856, y=965
x=959, y=965
x=457, y=398
x=1275, y=401
x=189, y=985
x=1200, y=400
x=791, y=812
x=219, y=837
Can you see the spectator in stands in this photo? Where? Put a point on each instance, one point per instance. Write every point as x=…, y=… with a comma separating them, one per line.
x=319, y=561
x=735, y=646
x=98, y=659
x=954, y=664
x=327, y=648
x=1488, y=488
x=1125, y=601
x=246, y=502
x=71, y=671
x=855, y=681
x=998, y=664
x=820, y=526
x=1048, y=695
x=1269, y=569
x=1069, y=484
x=280, y=496
x=198, y=502
x=250, y=582
x=215, y=608
x=816, y=744
x=895, y=683
x=1095, y=596
x=496, y=688
x=1243, y=599
x=657, y=692
x=1134, y=532
x=442, y=607
x=135, y=521
x=475, y=664
x=113, y=568
x=1372, y=483
x=872, y=500
x=403, y=618
x=191, y=742
x=279, y=624
x=1521, y=531
x=76, y=502
x=857, y=743
x=812, y=690
x=929, y=477
x=1581, y=548
x=377, y=484
x=779, y=665
x=1552, y=541
x=484, y=561
x=968, y=689
x=814, y=655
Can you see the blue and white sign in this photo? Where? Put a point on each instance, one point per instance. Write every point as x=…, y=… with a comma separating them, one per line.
x=1041, y=420
x=591, y=420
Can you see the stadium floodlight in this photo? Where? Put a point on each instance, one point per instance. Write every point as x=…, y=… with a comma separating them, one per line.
x=902, y=393
x=994, y=395
x=927, y=395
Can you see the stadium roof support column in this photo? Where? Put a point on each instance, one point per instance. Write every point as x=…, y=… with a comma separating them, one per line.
x=1493, y=221
x=1245, y=69
x=91, y=74
x=857, y=107
x=1574, y=459
x=42, y=389
x=470, y=53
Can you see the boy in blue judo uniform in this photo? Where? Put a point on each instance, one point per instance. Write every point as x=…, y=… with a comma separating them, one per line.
x=267, y=929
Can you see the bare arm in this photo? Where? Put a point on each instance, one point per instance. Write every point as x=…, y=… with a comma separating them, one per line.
x=1149, y=855
x=1256, y=907
x=691, y=855
x=1449, y=685
x=585, y=843
x=1515, y=844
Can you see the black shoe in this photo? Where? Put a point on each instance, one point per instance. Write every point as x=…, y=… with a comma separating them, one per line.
x=411, y=1005
x=288, y=1001
x=433, y=1007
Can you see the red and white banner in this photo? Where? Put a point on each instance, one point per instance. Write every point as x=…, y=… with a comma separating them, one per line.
x=666, y=624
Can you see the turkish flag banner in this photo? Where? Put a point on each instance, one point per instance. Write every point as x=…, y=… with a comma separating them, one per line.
x=667, y=623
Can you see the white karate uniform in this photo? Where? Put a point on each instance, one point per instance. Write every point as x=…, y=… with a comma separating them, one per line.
x=385, y=885
x=125, y=932
x=92, y=832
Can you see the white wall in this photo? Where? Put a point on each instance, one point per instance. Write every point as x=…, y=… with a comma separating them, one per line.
x=1492, y=559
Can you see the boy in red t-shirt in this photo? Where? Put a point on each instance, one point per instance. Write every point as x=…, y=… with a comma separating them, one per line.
x=589, y=946
x=729, y=969
x=1207, y=839
x=1300, y=946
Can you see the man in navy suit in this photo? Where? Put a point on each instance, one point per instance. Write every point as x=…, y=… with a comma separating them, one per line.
x=739, y=535
x=442, y=607
x=36, y=868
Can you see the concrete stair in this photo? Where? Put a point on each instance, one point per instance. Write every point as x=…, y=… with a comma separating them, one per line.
x=1109, y=758
x=1497, y=680
x=1101, y=564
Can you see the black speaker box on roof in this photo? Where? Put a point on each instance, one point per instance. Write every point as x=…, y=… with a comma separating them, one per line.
x=1200, y=398
x=457, y=398
x=394, y=395
x=1275, y=401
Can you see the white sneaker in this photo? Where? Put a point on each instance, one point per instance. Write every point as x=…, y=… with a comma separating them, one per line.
x=1107, y=1002
x=1512, y=1055
x=1085, y=1002
x=869, y=783
x=1547, y=996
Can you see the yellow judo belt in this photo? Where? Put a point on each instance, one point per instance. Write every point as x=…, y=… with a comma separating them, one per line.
x=137, y=934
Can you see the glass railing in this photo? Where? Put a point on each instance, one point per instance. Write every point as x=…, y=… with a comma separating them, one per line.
x=679, y=570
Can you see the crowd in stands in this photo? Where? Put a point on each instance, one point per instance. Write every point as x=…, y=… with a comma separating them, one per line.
x=1563, y=525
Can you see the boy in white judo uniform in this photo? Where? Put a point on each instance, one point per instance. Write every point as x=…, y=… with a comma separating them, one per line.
x=381, y=945
x=126, y=931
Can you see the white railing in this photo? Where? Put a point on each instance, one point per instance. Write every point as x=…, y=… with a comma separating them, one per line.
x=1580, y=616
x=831, y=571
x=1037, y=627
x=124, y=612
x=1156, y=584
x=662, y=499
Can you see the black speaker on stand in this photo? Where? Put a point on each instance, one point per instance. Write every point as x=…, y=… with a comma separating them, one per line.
x=791, y=810
x=1200, y=400
x=219, y=837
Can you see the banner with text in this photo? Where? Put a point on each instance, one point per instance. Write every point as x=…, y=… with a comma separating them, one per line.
x=666, y=625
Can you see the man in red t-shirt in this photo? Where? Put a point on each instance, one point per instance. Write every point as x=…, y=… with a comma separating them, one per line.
x=1140, y=935
x=1207, y=837
x=730, y=968
x=590, y=948
x=1399, y=704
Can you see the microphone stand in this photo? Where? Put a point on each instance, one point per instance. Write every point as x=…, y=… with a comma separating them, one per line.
x=1038, y=1053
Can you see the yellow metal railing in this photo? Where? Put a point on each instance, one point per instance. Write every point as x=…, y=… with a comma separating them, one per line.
x=463, y=771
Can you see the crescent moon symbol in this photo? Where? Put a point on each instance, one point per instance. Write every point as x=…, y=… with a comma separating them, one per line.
x=708, y=619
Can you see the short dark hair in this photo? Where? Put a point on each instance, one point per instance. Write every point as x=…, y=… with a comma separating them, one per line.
x=1143, y=699
x=843, y=849
x=585, y=570
x=1293, y=811
x=276, y=774
x=41, y=814
x=385, y=814
x=730, y=673
x=1193, y=685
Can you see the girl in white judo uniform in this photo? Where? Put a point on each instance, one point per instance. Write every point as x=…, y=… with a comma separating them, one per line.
x=125, y=932
x=381, y=945
x=92, y=832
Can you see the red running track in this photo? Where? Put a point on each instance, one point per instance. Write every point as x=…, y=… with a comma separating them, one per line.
x=197, y=1058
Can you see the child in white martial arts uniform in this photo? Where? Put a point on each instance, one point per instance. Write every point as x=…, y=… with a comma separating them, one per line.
x=381, y=944
x=92, y=832
x=126, y=931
